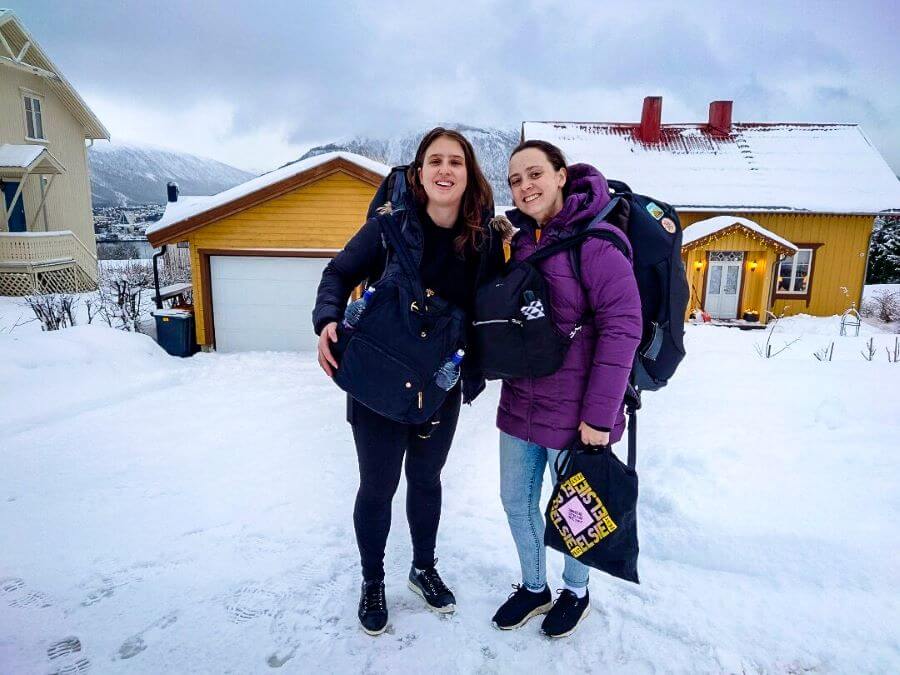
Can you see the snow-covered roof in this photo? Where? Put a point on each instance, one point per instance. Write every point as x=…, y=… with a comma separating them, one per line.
x=189, y=207
x=31, y=57
x=24, y=157
x=704, y=228
x=822, y=168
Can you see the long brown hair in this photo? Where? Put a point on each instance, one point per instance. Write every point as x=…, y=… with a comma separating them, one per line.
x=478, y=198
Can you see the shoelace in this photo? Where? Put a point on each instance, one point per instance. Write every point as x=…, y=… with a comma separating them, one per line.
x=568, y=597
x=433, y=582
x=373, y=598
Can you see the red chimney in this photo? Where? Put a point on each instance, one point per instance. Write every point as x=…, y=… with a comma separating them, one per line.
x=651, y=120
x=720, y=117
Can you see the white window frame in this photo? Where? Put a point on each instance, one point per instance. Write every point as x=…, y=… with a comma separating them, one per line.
x=27, y=94
x=793, y=276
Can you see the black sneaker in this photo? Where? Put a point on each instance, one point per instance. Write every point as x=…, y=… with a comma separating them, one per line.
x=431, y=587
x=522, y=605
x=568, y=611
x=373, y=614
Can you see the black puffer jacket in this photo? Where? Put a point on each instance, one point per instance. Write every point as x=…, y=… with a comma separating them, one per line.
x=363, y=258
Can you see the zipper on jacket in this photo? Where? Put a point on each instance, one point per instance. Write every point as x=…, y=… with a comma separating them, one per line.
x=421, y=400
x=481, y=323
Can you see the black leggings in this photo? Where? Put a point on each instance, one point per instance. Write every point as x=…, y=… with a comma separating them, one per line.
x=380, y=446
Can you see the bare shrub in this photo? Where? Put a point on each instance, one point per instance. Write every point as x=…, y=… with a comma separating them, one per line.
x=53, y=310
x=884, y=305
x=120, y=292
x=765, y=350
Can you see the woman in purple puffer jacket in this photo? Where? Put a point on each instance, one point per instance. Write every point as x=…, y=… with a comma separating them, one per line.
x=539, y=417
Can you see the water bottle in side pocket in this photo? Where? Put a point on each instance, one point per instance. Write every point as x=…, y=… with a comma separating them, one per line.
x=448, y=374
x=356, y=308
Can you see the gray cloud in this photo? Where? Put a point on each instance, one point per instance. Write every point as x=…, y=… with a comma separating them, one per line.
x=324, y=70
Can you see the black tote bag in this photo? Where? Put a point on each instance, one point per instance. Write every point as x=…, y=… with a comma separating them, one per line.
x=592, y=514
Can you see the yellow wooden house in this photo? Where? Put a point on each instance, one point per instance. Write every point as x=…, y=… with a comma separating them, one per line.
x=777, y=217
x=258, y=249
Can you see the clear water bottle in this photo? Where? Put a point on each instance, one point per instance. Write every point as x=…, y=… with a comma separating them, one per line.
x=356, y=308
x=448, y=374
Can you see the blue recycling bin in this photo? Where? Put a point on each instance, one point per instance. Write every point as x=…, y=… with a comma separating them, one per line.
x=175, y=331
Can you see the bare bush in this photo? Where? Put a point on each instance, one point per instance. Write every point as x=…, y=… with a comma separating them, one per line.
x=869, y=353
x=825, y=353
x=53, y=310
x=884, y=305
x=765, y=350
x=120, y=292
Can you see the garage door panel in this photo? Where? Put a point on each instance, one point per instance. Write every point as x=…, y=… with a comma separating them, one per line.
x=264, y=303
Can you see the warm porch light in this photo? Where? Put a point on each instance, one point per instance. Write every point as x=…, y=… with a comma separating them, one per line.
x=752, y=265
x=698, y=265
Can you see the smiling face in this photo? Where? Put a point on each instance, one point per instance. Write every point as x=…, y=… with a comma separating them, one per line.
x=536, y=186
x=443, y=173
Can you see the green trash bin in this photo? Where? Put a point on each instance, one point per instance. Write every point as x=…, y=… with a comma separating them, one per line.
x=175, y=331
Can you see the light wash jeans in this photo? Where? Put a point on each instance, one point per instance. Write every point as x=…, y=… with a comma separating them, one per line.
x=521, y=476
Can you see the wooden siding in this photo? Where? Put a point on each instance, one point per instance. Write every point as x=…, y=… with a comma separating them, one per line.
x=321, y=215
x=69, y=201
x=839, y=264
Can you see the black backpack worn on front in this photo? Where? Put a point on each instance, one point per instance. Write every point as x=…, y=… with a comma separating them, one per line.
x=388, y=360
x=514, y=329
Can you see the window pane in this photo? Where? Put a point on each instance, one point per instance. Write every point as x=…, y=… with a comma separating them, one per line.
x=784, y=274
x=804, y=256
x=731, y=280
x=800, y=278
x=38, y=125
x=36, y=105
x=715, y=279
x=28, y=104
x=29, y=121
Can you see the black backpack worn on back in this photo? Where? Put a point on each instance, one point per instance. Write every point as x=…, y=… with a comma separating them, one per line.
x=389, y=359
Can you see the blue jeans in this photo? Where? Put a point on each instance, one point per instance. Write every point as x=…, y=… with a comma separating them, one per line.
x=521, y=476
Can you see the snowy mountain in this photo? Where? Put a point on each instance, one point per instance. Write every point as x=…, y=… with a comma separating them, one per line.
x=492, y=147
x=123, y=175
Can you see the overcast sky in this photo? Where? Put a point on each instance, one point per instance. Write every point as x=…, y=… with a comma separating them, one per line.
x=257, y=84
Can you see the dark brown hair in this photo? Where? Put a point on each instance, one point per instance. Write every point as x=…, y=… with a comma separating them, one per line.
x=478, y=198
x=554, y=155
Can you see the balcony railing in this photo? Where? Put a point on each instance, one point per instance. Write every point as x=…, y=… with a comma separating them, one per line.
x=46, y=248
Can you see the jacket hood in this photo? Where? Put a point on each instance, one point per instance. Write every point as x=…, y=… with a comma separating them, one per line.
x=584, y=196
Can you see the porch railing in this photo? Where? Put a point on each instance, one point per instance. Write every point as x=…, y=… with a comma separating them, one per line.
x=37, y=248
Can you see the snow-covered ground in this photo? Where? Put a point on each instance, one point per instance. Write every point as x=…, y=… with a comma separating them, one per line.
x=167, y=515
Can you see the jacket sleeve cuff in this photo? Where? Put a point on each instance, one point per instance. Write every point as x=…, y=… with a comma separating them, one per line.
x=324, y=319
x=596, y=428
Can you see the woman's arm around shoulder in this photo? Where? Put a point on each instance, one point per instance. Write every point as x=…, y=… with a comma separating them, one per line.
x=612, y=294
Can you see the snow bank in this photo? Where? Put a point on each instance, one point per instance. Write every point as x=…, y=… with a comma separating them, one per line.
x=195, y=515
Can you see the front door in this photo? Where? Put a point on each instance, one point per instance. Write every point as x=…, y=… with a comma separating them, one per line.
x=723, y=284
x=17, y=217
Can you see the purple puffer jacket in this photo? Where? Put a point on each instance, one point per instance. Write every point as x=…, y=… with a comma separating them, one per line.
x=591, y=383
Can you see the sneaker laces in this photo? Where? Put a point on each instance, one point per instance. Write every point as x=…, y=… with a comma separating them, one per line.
x=567, y=599
x=373, y=598
x=433, y=582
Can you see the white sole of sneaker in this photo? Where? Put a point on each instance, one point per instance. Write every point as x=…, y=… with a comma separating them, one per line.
x=373, y=633
x=446, y=609
x=537, y=611
x=574, y=628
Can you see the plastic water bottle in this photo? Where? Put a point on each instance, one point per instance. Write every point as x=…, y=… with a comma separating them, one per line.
x=448, y=374
x=356, y=308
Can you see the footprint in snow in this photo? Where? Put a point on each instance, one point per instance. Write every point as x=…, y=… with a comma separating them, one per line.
x=250, y=602
x=66, y=658
x=17, y=594
x=136, y=643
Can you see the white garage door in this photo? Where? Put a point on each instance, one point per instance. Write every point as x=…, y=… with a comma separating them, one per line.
x=262, y=303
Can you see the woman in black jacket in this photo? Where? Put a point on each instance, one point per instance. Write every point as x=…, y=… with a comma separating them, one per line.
x=449, y=206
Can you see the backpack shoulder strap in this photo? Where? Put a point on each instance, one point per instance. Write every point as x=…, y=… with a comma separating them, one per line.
x=394, y=241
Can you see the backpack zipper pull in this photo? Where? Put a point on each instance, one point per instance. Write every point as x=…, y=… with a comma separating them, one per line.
x=421, y=400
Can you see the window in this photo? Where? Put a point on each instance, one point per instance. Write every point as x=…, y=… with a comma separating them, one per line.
x=793, y=273
x=34, y=123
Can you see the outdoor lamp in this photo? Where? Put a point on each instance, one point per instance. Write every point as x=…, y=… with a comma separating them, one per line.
x=698, y=265
x=752, y=265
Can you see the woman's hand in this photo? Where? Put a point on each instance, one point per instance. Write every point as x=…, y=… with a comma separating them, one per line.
x=326, y=359
x=589, y=435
